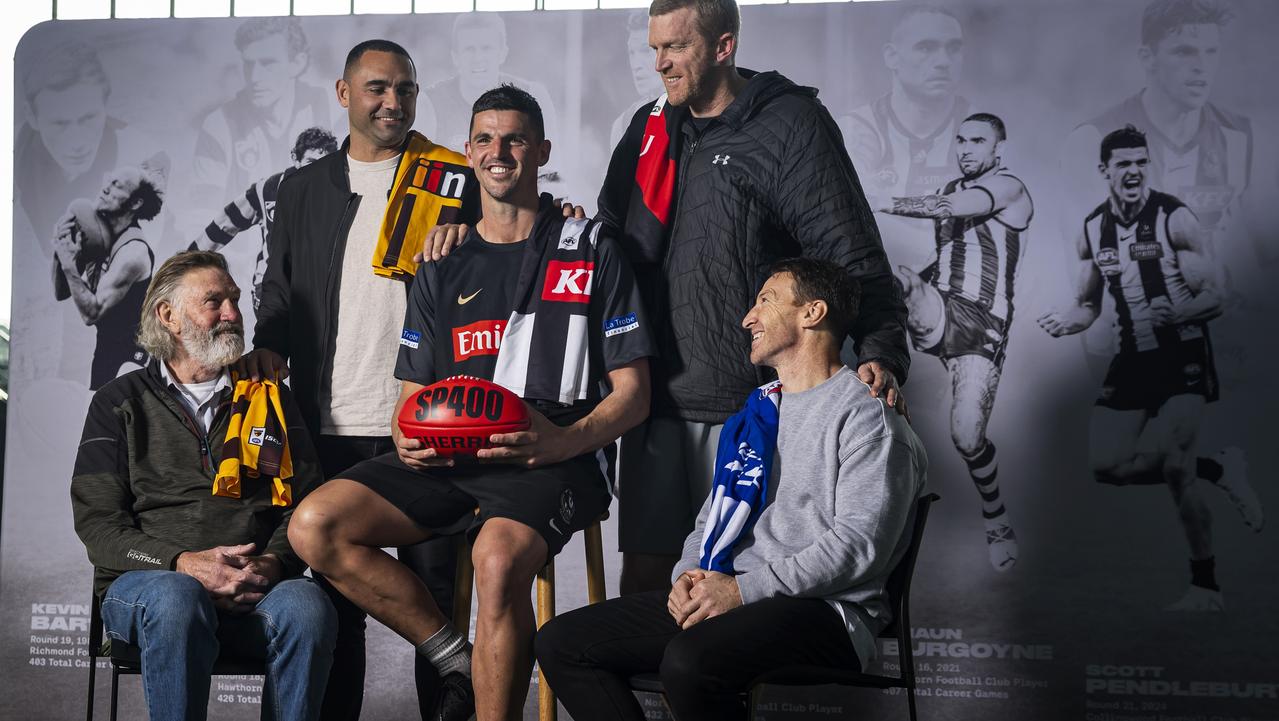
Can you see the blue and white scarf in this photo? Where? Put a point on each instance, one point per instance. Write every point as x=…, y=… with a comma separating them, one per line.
x=743, y=461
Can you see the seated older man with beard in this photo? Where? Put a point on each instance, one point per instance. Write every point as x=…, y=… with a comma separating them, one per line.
x=182, y=496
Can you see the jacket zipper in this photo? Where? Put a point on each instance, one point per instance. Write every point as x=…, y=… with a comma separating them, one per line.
x=206, y=453
x=343, y=229
x=679, y=201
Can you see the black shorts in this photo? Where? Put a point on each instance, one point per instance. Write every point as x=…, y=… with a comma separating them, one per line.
x=1144, y=380
x=556, y=500
x=970, y=330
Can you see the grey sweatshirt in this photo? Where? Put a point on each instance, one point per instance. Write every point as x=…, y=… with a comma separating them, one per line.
x=845, y=478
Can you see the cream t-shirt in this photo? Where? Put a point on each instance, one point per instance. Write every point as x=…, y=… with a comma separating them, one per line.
x=362, y=386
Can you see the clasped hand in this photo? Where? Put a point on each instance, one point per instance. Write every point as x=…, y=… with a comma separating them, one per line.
x=235, y=578
x=698, y=595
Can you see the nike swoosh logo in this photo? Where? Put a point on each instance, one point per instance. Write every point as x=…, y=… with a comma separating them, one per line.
x=464, y=299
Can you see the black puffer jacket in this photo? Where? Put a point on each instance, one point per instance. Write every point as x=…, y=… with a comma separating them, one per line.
x=767, y=179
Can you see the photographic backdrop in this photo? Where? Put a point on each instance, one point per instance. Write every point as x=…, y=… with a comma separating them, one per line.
x=1075, y=629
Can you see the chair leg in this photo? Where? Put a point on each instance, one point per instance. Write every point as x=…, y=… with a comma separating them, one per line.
x=595, y=591
x=93, y=669
x=115, y=690
x=546, y=709
x=462, y=589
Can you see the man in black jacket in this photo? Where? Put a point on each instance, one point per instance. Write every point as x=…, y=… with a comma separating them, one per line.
x=337, y=323
x=728, y=172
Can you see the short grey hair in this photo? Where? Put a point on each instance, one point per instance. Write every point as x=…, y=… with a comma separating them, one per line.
x=152, y=336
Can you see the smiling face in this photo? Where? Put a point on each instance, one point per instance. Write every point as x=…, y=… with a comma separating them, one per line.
x=976, y=148
x=1126, y=174
x=478, y=54
x=380, y=96
x=775, y=320
x=685, y=57
x=926, y=54
x=505, y=151
x=1184, y=63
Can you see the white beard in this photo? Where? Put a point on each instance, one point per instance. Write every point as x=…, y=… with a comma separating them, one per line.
x=214, y=348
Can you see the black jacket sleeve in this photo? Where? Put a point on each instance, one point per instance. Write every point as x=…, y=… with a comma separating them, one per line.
x=615, y=195
x=272, y=328
x=822, y=205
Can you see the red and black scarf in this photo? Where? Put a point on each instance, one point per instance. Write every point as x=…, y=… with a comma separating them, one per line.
x=655, y=169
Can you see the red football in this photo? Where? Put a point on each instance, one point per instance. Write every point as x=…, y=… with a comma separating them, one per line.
x=457, y=415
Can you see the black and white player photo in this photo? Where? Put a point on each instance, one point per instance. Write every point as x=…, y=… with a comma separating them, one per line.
x=961, y=304
x=479, y=53
x=68, y=139
x=255, y=207
x=1200, y=151
x=1149, y=252
x=103, y=262
x=249, y=136
x=902, y=143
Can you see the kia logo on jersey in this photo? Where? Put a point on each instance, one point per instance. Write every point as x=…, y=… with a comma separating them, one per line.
x=568, y=282
x=479, y=338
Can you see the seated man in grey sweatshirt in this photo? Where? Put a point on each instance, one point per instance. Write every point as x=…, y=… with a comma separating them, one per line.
x=810, y=510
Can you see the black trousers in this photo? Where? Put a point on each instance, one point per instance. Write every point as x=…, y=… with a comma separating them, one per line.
x=434, y=561
x=588, y=654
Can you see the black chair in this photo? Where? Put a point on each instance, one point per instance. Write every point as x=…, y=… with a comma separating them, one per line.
x=899, y=599
x=126, y=659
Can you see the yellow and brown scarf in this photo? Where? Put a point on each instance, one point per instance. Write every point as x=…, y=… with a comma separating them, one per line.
x=257, y=443
x=429, y=183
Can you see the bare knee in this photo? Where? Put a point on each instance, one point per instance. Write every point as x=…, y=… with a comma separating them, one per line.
x=505, y=564
x=968, y=440
x=313, y=531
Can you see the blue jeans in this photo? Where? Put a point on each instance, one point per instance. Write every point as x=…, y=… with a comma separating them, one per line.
x=170, y=616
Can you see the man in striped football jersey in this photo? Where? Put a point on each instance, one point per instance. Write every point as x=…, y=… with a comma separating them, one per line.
x=548, y=308
x=1148, y=250
x=961, y=305
x=256, y=206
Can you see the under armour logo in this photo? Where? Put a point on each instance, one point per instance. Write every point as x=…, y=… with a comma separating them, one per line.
x=721, y=160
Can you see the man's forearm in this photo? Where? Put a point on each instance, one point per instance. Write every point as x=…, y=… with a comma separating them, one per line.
x=85, y=301
x=114, y=546
x=623, y=409
x=923, y=206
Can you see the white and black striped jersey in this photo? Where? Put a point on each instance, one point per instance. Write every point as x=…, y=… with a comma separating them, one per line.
x=977, y=257
x=1139, y=264
x=546, y=317
x=255, y=206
